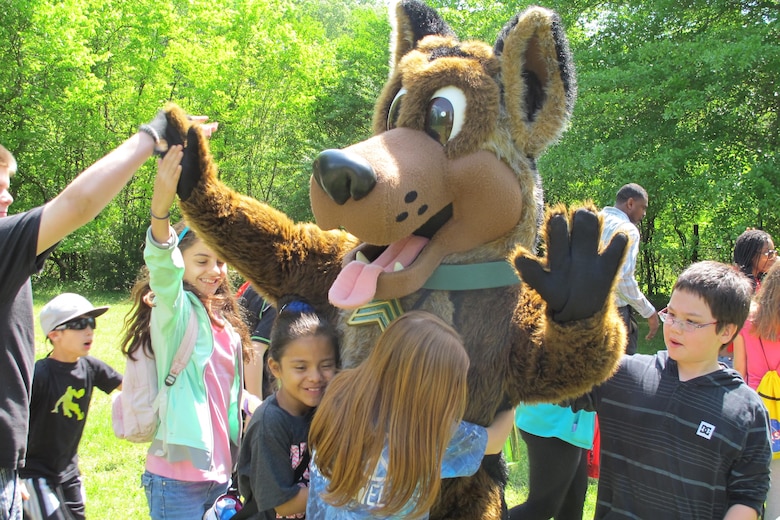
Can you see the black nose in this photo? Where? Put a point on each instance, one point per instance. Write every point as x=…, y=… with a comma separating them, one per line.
x=343, y=176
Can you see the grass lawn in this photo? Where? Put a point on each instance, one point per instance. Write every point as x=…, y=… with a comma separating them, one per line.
x=112, y=468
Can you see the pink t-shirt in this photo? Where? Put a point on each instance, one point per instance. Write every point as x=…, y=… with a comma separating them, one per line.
x=218, y=375
x=756, y=360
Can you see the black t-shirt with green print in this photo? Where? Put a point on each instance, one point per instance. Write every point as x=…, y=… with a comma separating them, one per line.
x=58, y=411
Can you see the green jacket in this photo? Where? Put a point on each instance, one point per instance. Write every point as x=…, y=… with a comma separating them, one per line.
x=185, y=430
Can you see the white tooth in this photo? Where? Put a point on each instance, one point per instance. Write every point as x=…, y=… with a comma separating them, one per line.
x=360, y=257
x=398, y=267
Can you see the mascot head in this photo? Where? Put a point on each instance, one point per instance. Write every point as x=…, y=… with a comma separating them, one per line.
x=449, y=176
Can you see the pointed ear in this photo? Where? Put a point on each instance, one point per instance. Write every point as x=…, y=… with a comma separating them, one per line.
x=540, y=85
x=411, y=22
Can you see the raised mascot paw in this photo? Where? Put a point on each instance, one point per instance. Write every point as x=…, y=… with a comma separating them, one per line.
x=178, y=122
x=576, y=279
x=190, y=164
x=168, y=128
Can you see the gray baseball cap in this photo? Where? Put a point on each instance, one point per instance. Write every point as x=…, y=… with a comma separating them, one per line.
x=64, y=308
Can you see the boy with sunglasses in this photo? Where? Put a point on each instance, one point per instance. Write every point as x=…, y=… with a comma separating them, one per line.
x=681, y=435
x=62, y=389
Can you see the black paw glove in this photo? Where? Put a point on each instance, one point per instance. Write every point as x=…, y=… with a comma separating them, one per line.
x=576, y=281
x=190, y=166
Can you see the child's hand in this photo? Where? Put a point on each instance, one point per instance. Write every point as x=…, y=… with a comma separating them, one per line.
x=249, y=403
x=168, y=172
x=209, y=128
x=23, y=490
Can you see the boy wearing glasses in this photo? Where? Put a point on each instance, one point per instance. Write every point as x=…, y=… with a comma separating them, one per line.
x=681, y=435
x=62, y=389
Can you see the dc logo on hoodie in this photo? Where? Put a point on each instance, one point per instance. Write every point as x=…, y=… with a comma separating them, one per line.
x=705, y=430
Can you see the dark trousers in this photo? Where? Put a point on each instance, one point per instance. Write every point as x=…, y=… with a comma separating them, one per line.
x=557, y=480
x=51, y=501
x=627, y=313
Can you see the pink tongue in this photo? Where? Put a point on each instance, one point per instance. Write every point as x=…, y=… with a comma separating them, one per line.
x=356, y=283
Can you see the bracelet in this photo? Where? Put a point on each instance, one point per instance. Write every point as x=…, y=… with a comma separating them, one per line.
x=248, y=399
x=151, y=132
x=164, y=217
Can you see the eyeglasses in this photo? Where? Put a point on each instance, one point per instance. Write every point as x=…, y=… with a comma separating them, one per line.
x=685, y=325
x=78, y=324
x=770, y=254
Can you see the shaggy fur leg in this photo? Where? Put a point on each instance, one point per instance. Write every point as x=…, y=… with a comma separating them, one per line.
x=480, y=496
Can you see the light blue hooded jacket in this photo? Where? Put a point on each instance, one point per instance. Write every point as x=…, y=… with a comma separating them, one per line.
x=185, y=431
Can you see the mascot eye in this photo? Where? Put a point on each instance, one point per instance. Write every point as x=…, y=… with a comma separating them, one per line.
x=395, y=109
x=445, y=114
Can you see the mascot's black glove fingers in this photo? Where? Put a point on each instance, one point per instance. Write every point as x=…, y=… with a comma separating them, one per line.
x=585, y=235
x=533, y=273
x=558, y=243
x=577, y=280
x=549, y=281
x=591, y=274
x=190, y=166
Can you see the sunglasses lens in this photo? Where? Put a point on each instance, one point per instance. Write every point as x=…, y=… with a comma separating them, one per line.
x=81, y=323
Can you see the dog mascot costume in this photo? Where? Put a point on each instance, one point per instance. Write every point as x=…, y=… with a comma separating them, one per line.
x=441, y=210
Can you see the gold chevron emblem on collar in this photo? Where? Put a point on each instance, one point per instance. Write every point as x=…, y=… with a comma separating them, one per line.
x=379, y=312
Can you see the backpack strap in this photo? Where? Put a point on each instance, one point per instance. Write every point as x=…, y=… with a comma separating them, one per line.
x=766, y=361
x=186, y=347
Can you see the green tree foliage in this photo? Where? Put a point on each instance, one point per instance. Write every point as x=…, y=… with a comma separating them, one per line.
x=81, y=75
x=343, y=107
x=679, y=97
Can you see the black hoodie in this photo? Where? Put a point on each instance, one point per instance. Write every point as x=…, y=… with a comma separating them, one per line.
x=678, y=449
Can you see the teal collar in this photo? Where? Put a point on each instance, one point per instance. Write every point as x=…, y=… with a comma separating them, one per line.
x=469, y=277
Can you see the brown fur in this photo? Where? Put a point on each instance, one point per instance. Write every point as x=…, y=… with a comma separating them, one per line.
x=487, y=175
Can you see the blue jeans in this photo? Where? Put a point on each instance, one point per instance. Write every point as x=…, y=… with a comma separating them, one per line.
x=171, y=499
x=10, y=496
x=726, y=360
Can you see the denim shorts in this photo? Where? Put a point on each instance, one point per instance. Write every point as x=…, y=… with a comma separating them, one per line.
x=171, y=499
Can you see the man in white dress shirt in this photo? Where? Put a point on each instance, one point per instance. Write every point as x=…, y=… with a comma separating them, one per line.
x=629, y=209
